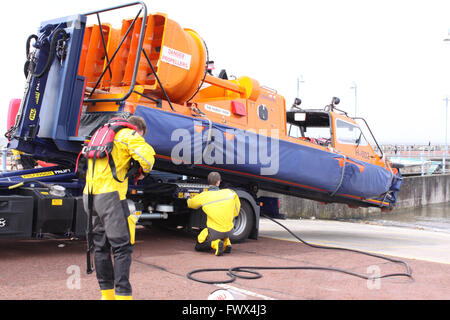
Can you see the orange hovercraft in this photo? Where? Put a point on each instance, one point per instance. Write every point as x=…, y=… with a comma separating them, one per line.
x=152, y=67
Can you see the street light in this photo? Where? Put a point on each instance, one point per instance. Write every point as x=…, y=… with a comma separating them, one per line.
x=446, y=113
x=446, y=145
x=354, y=86
x=299, y=80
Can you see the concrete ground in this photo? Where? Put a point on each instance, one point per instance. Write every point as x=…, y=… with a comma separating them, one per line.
x=395, y=241
x=54, y=269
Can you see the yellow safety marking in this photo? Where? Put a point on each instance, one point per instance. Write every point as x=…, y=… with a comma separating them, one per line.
x=57, y=202
x=37, y=175
x=32, y=114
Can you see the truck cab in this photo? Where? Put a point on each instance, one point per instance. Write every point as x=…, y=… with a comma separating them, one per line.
x=335, y=130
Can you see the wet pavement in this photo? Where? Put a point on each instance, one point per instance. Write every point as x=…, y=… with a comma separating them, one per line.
x=54, y=269
x=431, y=218
x=411, y=243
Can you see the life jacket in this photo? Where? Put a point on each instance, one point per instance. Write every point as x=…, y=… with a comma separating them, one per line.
x=101, y=144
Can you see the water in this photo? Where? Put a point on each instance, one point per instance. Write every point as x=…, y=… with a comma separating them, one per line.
x=409, y=161
x=430, y=218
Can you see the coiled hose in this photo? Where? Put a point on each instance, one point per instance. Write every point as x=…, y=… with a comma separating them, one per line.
x=51, y=54
x=239, y=272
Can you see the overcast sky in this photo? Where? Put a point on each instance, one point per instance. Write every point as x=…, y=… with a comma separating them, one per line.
x=392, y=49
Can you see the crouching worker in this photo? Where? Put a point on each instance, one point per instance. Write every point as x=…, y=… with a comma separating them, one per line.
x=111, y=229
x=220, y=207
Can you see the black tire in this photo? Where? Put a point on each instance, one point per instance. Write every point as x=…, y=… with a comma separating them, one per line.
x=243, y=223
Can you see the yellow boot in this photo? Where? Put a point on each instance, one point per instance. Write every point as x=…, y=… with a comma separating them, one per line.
x=108, y=294
x=124, y=297
x=217, y=245
x=132, y=221
x=227, y=245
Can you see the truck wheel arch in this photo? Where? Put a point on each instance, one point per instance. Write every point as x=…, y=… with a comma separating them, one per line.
x=247, y=198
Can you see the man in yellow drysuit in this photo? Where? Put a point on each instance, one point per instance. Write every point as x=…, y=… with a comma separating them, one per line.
x=220, y=207
x=112, y=225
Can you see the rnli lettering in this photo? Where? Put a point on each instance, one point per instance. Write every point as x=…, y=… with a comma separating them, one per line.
x=2, y=222
x=270, y=97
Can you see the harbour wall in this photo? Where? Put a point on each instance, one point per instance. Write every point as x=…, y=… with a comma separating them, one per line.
x=415, y=192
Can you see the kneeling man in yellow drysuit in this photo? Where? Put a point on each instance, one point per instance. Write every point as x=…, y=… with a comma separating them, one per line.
x=220, y=207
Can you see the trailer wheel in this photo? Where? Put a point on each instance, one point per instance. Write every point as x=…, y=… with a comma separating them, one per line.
x=243, y=223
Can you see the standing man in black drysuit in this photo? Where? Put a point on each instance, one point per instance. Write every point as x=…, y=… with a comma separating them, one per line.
x=112, y=224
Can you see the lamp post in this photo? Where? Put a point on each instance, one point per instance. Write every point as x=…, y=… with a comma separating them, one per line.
x=446, y=113
x=446, y=145
x=355, y=87
x=299, y=80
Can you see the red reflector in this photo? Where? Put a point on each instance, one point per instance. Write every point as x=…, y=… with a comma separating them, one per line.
x=238, y=108
x=13, y=110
